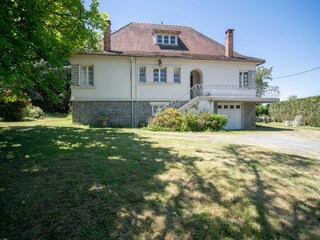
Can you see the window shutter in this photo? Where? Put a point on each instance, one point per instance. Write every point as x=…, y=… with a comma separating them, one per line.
x=75, y=74
x=252, y=78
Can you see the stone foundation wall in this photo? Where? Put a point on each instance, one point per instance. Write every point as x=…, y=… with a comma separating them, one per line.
x=120, y=113
x=249, y=115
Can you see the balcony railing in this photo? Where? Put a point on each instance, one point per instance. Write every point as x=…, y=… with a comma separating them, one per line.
x=223, y=91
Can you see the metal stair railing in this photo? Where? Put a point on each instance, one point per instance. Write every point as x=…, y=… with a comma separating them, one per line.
x=185, y=97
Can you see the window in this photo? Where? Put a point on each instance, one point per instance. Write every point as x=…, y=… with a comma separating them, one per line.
x=166, y=39
x=225, y=106
x=86, y=76
x=231, y=106
x=219, y=107
x=244, y=79
x=238, y=107
x=176, y=75
x=172, y=39
x=160, y=75
x=159, y=39
x=142, y=74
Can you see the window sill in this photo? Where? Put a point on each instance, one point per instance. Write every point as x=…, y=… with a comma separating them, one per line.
x=158, y=83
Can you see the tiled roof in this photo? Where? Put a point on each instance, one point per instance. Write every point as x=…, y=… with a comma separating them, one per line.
x=136, y=39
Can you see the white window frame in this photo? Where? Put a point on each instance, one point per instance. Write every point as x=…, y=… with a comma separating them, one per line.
x=162, y=37
x=175, y=79
x=158, y=79
x=141, y=80
x=88, y=81
x=243, y=82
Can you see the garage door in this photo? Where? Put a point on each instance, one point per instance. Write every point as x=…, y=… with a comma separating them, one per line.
x=233, y=113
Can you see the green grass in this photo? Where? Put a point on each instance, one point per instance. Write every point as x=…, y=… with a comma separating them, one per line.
x=59, y=181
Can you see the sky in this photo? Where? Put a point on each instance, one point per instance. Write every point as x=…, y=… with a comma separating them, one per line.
x=286, y=33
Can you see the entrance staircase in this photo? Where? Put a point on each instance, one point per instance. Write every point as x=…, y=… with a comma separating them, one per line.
x=221, y=92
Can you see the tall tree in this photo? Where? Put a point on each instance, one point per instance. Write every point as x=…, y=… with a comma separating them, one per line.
x=263, y=75
x=44, y=30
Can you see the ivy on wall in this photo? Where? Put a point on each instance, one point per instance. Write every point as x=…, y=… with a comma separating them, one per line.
x=309, y=108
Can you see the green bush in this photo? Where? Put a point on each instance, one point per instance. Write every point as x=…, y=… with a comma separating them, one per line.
x=12, y=111
x=190, y=122
x=309, y=108
x=33, y=112
x=173, y=120
x=169, y=119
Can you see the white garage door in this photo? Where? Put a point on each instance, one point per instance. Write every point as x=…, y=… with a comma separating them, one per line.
x=233, y=113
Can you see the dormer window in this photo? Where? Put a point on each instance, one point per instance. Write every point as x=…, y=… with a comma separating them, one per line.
x=166, y=39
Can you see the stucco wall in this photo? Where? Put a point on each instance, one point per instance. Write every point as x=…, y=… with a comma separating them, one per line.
x=112, y=77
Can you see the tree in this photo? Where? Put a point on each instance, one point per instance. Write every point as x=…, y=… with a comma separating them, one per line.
x=292, y=97
x=263, y=75
x=47, y=31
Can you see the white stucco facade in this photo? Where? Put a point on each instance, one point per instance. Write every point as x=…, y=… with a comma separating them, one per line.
x=117, y=77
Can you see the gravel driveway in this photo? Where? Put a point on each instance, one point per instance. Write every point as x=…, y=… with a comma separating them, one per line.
x=293, y=141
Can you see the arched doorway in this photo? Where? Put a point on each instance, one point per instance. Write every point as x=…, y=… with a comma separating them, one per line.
x=195, y=78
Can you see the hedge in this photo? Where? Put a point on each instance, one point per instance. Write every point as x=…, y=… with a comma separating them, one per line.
x=309, y=108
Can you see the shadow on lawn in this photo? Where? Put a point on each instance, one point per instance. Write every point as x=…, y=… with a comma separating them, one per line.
x=60, y=182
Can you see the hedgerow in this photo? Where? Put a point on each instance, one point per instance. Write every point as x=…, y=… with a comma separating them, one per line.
x=309, y=108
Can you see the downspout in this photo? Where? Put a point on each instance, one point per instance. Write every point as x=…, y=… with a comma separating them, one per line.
x=131, y=92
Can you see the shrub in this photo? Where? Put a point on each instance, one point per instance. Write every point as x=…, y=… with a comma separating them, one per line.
x=33, y=112
x=11, y=111
x=169, y=119
x=190, y=122
x=173, y=120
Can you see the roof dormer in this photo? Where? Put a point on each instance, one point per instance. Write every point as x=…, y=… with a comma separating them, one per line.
x=165, y=37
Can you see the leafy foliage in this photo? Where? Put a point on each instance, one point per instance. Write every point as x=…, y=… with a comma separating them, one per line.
x=12, y=107
x=169, y=119
x=46, y=30
x=33, y=112
x=309, y=108
x=263, y=75
x=173, y=120
x=261, y=110
x=292, y=97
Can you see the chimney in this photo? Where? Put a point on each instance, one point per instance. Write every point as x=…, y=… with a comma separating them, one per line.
x=107, y=37
x=229, y=43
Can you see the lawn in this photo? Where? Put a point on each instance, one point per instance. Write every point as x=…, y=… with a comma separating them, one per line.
x=60, y=181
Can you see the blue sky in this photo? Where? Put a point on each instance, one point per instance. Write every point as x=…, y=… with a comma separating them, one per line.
x=284, y=33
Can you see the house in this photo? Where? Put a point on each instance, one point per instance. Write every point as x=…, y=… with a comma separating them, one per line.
x=144, y=67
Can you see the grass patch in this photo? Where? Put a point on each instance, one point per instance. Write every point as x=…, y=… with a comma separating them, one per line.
x=63, y=181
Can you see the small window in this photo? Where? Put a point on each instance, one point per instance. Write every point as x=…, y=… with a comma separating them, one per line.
x=159, y=39
x=219, y=107
x=172, y=39
x=231, y=106
x=238, y=107
x=225, y=106
x=177, y=75
x=156, y=108
x=166, y=39
x=86, y=76
x=163, y=75
x=160, y=75
x=142, y=74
